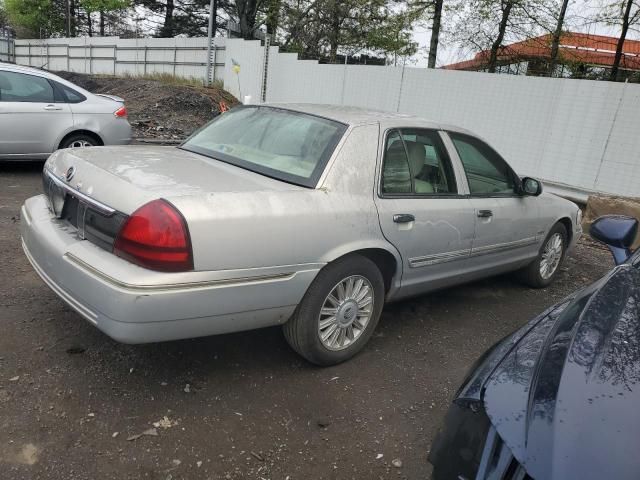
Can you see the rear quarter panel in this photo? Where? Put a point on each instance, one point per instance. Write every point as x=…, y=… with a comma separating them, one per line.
x=96, y=115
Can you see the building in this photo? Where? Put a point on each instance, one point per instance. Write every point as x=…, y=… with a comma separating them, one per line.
x=580, y=55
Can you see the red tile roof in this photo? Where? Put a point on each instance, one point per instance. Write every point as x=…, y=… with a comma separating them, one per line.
x=574, y=47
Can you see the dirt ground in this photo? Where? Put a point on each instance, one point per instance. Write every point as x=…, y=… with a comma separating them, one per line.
x=157, y=109
x=239, y=406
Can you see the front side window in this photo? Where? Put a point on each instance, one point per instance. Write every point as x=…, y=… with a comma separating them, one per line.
x=416, y=163
x=279, y=143
x=19, y=87
x=487, y=173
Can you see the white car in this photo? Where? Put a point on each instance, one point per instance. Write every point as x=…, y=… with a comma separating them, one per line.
x=41, y=112
x=308, y=216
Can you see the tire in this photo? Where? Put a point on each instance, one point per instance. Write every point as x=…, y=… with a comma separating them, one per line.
x=533, y=274
x=303, y=330
x=79, y=141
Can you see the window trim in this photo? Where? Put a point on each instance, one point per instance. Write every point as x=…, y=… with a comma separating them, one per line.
x=53, y=90
x=439, y=195
x=316, y=175
x=517, y=188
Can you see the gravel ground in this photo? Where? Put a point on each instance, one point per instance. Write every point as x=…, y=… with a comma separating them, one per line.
x=240, y=406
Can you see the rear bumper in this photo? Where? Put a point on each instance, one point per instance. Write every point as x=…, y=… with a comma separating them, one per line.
x=135, y=305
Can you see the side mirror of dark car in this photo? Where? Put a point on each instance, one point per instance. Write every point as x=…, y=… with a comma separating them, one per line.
x=618, y=232
x=531, y=186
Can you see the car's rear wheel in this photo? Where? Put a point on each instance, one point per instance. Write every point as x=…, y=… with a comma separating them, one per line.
x=339, y=312
x=544, y=269
x=79, y=141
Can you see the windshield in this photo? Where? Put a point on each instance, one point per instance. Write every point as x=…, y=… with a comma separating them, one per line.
x=282, y=144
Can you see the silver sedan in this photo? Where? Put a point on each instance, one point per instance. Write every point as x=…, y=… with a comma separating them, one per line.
x=41, y=112
x=307, y=216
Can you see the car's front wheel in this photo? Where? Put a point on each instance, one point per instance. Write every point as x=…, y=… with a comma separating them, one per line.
x=339, y=312
x=544, y=269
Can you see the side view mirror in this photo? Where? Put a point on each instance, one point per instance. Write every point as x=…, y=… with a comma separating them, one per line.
x=531, y=186
x=618, y=232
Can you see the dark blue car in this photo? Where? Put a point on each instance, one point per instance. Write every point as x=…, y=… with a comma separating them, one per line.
x=559, y=398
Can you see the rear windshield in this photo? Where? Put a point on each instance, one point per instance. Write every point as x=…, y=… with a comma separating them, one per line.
x=279, y=143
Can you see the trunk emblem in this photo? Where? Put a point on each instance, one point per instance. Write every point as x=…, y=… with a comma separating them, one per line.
x=70, y=173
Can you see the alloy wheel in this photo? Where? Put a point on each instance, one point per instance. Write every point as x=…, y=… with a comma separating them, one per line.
x=346, y=312
x=551, y=256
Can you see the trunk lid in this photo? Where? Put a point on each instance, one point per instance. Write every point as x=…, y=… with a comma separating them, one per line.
x=124, y=178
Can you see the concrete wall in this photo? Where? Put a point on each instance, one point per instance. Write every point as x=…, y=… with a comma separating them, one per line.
x=183, y=57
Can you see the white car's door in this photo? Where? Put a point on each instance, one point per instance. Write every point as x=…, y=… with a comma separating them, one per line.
x=508, y=227
x=423, y=210
x=31, y=121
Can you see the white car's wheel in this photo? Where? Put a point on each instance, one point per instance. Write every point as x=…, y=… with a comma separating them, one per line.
x=544, y=269
x=339, y=312
x=79, y=141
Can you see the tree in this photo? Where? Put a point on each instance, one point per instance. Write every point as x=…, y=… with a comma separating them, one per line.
x=391, y=37
x=246, y=12
x=36, y=18
x=624, y=14
x=486, y=25
x=4, y=19
x=432, y=9
x=320, y=28
x=272, y=15
x=555, y=38
x=103, y=7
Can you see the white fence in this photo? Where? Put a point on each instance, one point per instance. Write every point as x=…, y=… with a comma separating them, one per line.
x=183, y=57
x=579, y=133
x=6, y=48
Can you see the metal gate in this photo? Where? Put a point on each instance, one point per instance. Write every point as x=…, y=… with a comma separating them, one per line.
x=7, y=46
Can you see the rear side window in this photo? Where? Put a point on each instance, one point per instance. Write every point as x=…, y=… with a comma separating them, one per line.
x=20, y=87
x=417, y=163
x=69, y=95
x=487, y=173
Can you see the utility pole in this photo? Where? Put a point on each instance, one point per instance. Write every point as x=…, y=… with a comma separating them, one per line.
x=211, y=33
x=68, y=18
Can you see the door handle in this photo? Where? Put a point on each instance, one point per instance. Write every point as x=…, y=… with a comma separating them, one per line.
x=53, y=107
x=403, y=218
x=485, y=213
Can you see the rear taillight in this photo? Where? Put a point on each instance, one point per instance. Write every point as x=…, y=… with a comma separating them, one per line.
x=121, y=112
x=156, y=237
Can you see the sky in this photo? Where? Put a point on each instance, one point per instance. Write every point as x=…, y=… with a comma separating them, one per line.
x=451, y=53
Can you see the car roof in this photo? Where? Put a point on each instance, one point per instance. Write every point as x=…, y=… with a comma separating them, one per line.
x=358, y=116
x=23, y=69
x=12, y=67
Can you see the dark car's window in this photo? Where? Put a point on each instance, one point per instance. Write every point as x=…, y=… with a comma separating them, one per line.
x=487, y=173
x=70, y=95
x=20, y=87
x=416, y=162
x=283, y=144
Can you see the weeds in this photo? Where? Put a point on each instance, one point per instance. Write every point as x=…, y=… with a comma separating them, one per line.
x=169, y=79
